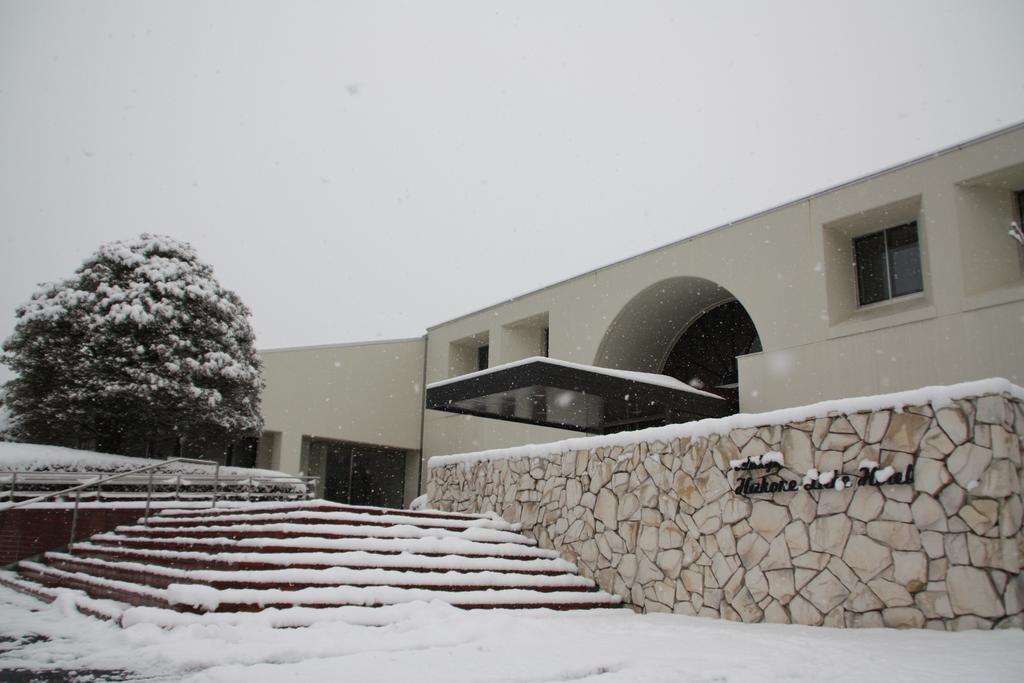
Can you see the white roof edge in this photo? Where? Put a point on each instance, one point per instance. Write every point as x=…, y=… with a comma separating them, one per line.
x=936, y=396
x=818, y=193
x=645, y=377
x=314, y=347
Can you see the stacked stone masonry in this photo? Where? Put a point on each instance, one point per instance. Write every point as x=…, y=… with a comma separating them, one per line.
x=660, y=523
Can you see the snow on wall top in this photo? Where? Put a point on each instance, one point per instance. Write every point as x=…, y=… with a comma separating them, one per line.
x=23, y=457
x=645, y=377
x=936, y=396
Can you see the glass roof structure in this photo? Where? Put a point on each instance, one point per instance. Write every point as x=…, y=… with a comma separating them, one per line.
x=552, y=393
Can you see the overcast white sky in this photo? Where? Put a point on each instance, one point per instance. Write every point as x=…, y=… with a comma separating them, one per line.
x=362, y=170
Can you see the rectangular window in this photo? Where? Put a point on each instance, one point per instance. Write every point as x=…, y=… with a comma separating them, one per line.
x=482, y=357
x=1020, y=210
x=888, y=264
x=358, y=474
x=1017, y=226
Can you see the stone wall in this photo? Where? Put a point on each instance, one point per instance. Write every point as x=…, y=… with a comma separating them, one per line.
x=660, y=522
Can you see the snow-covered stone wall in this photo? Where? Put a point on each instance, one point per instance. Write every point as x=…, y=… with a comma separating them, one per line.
x=904, y=517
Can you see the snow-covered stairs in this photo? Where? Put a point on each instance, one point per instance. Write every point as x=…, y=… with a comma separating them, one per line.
x=312, y=555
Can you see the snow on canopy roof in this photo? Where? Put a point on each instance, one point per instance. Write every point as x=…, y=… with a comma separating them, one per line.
x=936, y=396
x=644, y=377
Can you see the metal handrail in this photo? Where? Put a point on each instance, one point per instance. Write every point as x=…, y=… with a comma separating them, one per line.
x=77, y=490
x=38, y=483
x=255, y=474
x=131, y=478
x=103, y=480
x=14, y=480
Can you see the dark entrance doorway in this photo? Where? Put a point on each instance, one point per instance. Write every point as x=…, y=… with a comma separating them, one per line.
x=359, y=474
x=705, y=355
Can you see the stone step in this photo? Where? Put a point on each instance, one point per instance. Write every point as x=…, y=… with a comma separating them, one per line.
x=323, y=506
x=308, y=517
x=240, y=561
x=335, y=530
x=198, y=598
x=96, y=587
x=433, y=547
x=295, y=579
x=102, y=609
x=285, y=556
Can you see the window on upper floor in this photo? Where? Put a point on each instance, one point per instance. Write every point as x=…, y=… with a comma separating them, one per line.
x=524, y=338
x=469, y=354
x=1016, y=230
x=991, y=252
x=888, y=264
x=1019, y=218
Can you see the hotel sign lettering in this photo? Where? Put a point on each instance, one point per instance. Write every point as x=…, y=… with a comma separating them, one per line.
x=762, y=475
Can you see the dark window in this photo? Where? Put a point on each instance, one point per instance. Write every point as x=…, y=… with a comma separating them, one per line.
x=1017, y=227
x=482, y=354
x=888, y=264
x=545, y=337
x=361, y=475
x=377, y=477
x=243, y=453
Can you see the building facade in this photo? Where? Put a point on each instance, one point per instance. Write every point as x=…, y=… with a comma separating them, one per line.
x=902, y=279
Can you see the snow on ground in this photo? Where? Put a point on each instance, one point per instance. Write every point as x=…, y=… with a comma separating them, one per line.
x=434, y=642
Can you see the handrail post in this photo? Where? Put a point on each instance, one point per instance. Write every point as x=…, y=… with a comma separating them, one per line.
x=14, y=484
x=216, y=485
x=74, y=524
x=149, y=496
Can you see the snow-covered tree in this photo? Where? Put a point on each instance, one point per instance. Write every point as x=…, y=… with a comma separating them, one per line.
x=140, y=344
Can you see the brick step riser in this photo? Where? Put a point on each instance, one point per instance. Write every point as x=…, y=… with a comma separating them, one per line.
x=557, y=606
x=160, y=581
x=221, y=565
x=156, y=523
x=149, y=532
x=46, y=597
x=145, y=544
x=102, y=592
x=561, y=607
x=95, y=591
x=34, y=588
x=251, y=607
x=329, y=508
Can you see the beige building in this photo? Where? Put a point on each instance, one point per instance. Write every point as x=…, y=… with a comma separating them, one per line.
x=902, y=279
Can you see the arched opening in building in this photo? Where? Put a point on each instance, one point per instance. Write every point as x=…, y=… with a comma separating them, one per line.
x=705, y=355
x=689, y=328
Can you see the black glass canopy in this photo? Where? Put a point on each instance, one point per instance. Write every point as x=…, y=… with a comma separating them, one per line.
x=553, y=393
